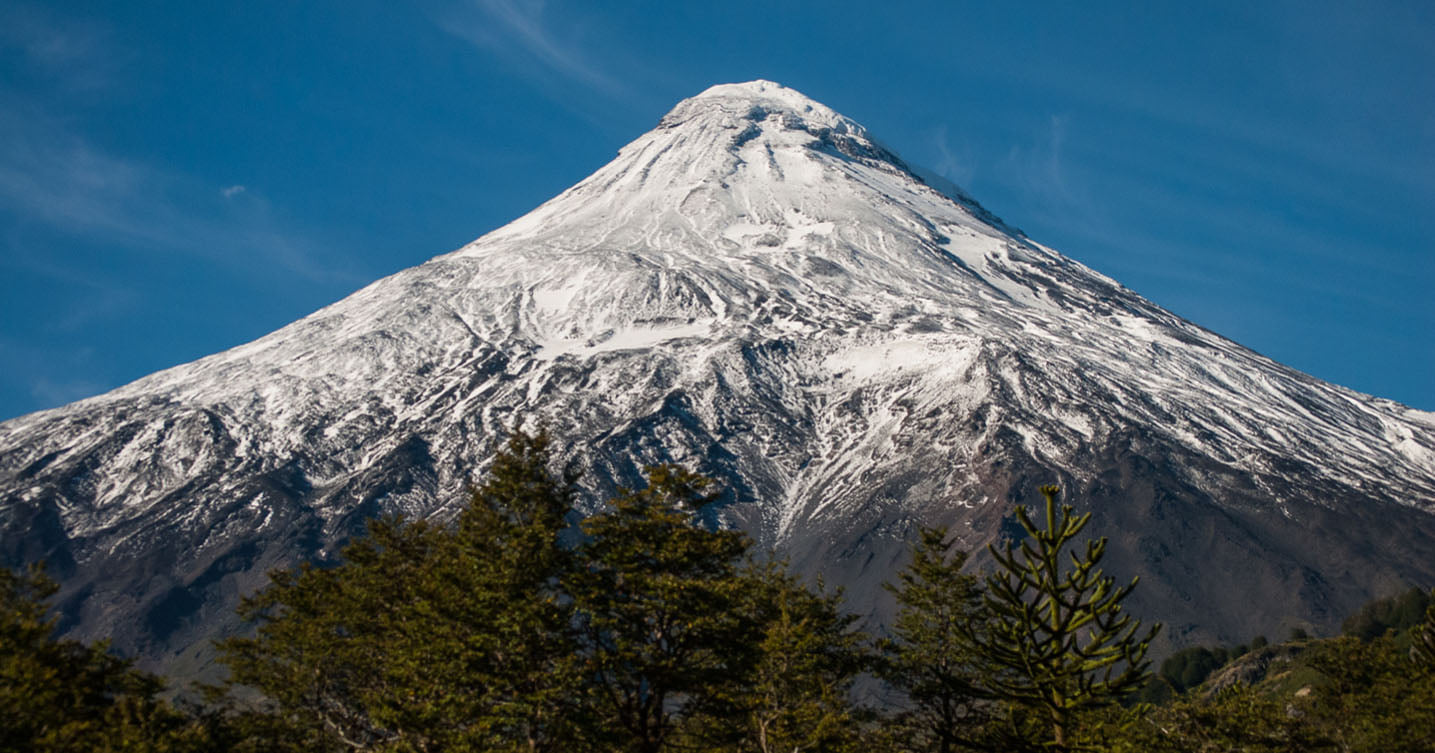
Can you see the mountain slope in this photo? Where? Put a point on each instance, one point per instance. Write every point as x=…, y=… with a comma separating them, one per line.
x=761, y=290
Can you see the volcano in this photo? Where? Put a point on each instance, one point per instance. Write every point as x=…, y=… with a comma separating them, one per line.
x=760, y=290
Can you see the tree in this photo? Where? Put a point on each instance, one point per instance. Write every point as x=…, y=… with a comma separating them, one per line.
x=59, y=695
x=1400, y=612
x=796, y=696
x=1370, y=697
x=504, y=593
x=657, y=600
x=1058, y=631
x=1422, y=638
x=933, y=657
x=428, y=637
x=326, y=643
x=1190, y=667
x=1237, y=718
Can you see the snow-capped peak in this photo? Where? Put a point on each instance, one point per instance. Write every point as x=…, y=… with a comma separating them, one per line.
x=757, y=288
x=757, y=101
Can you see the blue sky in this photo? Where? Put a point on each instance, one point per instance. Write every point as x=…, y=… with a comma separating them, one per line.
x=177, y=178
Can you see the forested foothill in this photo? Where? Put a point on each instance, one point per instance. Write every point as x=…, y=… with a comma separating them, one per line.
x=521, y=626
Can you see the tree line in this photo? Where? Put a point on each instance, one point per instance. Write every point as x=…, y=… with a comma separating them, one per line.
x=519, y=627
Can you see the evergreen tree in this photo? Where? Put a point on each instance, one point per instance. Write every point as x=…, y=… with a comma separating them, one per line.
x=428, y=638
x=1058, y=630
x=1400, y=612
x=332, y=644
x=60, y=696
x=932, y=657
x=1422, y=638
x=1237, y=718
x=503, y=601
x=657, y=600
x=1190, y=667
x=1370, y=697
x=797, y=693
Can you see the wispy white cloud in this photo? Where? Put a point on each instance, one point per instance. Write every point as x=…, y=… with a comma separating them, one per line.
x=48, y=390
x=954, y=164
x=77, y=217
x=521, y=32
x=1284, y=130
x=53, y=177
x=91, y=295
x=35, y=378
x=72, y=53
x=55, y=184
x=1040, y=172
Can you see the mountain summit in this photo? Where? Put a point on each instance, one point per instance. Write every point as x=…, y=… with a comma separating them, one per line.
x=761, y=290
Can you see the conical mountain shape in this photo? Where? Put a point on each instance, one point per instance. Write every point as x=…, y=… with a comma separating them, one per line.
x=761, y=290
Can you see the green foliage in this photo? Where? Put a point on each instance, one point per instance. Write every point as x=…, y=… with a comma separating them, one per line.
x=427, y=638
x=933, y=657
x=491, y=635
x=504, y=603
x=658, y=603
x=325, y=650
x=1189, y=667
x=1350, y=696
x=1157, y=690
x=61, y=696
x=654, y=633
x=1422, y=638
x=1057, y=629
x=1400, y=612
x=796, y=696
x=1236, y=719
x=1373, y=698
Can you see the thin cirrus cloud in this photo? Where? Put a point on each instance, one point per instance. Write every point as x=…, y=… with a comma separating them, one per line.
x=1041, y=167
x=520, y=32
x=53, y=175
x=72, y=54
x=58, y=179
x=953, y=163
x=1051, y=186
x=56, y=185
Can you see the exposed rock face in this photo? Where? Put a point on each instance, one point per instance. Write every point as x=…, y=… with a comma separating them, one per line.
x=759, y=289
x=1254, y=668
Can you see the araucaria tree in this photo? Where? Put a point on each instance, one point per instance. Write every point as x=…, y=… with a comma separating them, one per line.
x=1057, y=627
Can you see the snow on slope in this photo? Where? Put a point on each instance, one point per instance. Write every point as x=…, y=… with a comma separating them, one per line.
x=756, y=287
